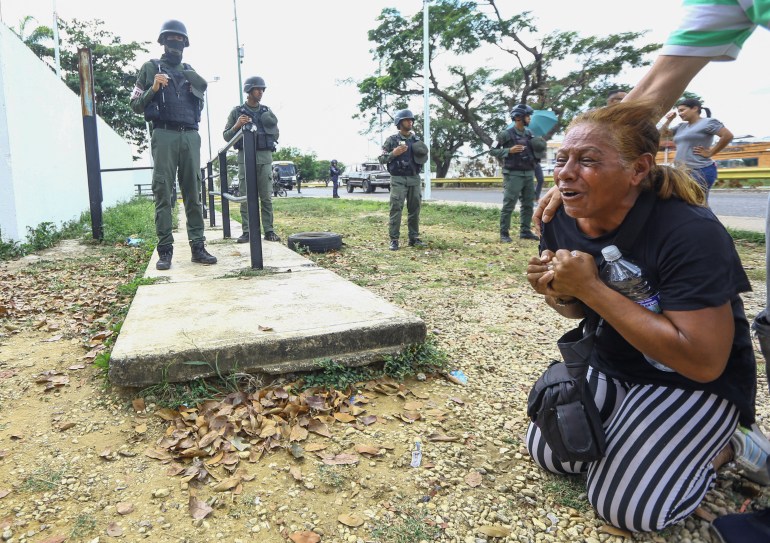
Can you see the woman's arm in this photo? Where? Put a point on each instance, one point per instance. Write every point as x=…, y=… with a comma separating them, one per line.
x=695, y=343
x=725, y=137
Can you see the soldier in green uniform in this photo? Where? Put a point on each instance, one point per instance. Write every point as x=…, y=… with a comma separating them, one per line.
x=514, y=149
x=265, y=124
x=404, y=154
x=170, y=95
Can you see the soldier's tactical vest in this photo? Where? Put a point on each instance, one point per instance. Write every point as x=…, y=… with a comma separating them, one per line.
x=265, y=141
x=520, y=161
x=175, y=103
x=404, y=165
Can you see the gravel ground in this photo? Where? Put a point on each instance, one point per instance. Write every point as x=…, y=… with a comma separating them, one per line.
x=73, y=463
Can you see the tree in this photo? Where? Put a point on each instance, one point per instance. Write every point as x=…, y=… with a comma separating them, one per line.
x=113, y=70
x=480, y=98
x=34, y=38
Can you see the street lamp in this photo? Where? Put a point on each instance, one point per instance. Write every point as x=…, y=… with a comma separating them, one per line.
x=426, y=91
x=208, y=118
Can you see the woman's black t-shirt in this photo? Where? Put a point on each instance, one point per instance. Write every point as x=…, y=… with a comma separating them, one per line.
x=689, y=255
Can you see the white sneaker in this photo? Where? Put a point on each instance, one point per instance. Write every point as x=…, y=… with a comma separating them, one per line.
x=752, y=453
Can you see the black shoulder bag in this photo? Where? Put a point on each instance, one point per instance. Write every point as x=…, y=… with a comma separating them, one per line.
x=561, y=403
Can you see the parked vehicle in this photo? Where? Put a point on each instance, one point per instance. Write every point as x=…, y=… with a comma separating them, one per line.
x=288, y=172
x=367, y=176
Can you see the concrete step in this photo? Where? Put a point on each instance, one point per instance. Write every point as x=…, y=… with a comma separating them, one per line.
x=209, y=320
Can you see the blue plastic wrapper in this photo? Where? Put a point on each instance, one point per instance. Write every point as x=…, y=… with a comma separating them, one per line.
x=460, y=376
x=134, y=242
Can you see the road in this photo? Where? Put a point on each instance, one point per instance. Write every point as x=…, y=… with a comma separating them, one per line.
x=729, y=203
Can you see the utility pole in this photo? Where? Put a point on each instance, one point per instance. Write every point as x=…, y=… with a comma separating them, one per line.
x=239, y=52
x=426, y=92
x=57, y=59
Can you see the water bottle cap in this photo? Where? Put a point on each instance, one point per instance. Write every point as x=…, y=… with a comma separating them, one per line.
x=611, y=253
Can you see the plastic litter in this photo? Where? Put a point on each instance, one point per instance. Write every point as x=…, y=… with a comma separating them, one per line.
x=134, y=242
x=459, y=377
x=416, y=455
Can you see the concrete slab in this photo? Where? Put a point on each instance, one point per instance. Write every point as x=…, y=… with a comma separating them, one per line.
x=207, y=320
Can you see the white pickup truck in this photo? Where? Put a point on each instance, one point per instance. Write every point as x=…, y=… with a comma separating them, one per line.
x=368, y=176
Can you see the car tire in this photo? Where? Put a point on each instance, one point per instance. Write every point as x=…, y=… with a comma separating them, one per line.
x=315, y=242
x=366, y=186
x=349, y=187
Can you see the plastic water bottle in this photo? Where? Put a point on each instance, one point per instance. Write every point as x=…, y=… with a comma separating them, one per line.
x=628, y=279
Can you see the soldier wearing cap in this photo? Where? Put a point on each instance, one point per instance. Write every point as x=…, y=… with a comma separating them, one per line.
x=170, y=95
x=514, y=149
x=404, y=154
x=265, y=125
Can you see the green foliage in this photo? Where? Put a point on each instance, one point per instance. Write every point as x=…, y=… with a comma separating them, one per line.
x=174, y=395
x=85, y=524
x=308, y=164
x=747, y=235
x=407, y=526
x=474, y=101
x=113, y=70
x=567, y=490
x=43, y=479
x=43, y=236
x=420, y=357
x=334, y=375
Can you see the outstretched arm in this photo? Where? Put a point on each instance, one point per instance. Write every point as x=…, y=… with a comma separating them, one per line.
x=667, y=80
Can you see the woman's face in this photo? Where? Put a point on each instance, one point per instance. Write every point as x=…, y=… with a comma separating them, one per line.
x=688, y=114
x=590, y=175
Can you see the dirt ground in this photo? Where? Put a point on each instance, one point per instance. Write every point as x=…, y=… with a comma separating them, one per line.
x=77, y=460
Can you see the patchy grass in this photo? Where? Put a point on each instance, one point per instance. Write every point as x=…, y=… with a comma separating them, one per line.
x=407, y=524
x=569, y=491
x=43, y=479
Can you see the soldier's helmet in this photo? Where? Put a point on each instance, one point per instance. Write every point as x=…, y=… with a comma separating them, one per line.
x=521, y=110
x=253, y=83
x=401, y=115
x=334, y=161
x=173, y=26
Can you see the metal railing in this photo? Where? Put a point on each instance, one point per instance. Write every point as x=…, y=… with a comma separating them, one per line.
x=252, y=191
x=722, y=173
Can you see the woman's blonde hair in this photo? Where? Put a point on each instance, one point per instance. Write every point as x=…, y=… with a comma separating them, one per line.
x=631, y=128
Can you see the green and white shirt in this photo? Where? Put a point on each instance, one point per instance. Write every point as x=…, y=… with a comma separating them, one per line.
x=716, y=28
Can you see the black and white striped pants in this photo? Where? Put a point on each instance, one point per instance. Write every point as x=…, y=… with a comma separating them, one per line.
x=661, y=442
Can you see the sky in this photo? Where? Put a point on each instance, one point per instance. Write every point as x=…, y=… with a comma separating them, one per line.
x=308, y=52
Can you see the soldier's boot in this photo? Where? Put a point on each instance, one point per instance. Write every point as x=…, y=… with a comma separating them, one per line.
x=505, y=237
x=393, y=245
x=272, y=236
x=200, y=255
x=243, y=238
x=527, y=234
x=165, y=252
x=416, y=242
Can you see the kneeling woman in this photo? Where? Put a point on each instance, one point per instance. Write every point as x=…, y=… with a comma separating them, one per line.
x=665, y=425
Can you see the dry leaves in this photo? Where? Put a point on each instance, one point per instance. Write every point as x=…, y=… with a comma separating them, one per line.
x=198, y=508
x=612, y=530
x=495, y=531
x=52, y=379
x=305, y=537
x=473, y=479
x=350, y=520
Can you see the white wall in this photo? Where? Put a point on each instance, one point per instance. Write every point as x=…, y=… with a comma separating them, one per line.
x=43, y=174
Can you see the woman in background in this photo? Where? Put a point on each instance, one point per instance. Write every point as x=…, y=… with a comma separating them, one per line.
x=694, y=139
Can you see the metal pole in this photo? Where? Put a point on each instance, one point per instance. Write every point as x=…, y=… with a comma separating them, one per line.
x=208, y=123
x=238, y=52
x=252, y=197
x=93, y=168
x=224, y=186
x=426, y=92
x=57, y=58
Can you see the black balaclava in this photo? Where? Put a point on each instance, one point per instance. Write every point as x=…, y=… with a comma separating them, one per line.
x=173, y=49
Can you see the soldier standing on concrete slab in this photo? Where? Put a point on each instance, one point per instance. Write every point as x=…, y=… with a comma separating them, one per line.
x=170, y=95
x=265, y=124
x=404, y=154
x=514, y=149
